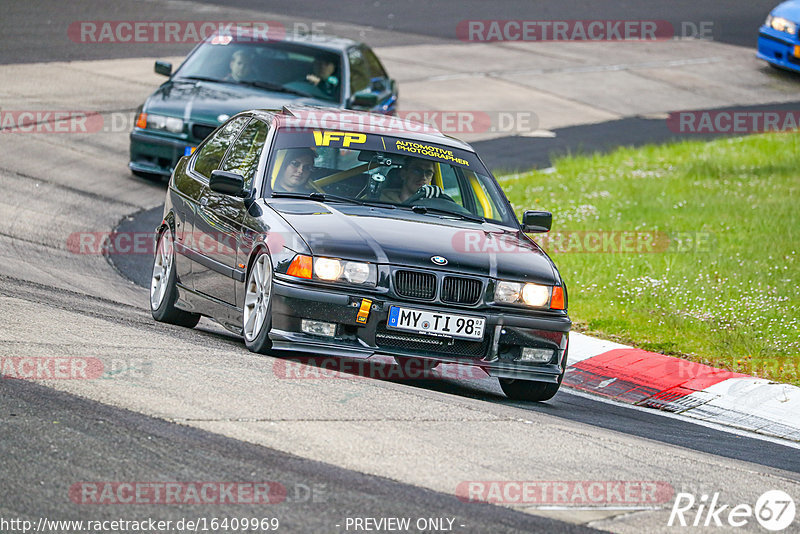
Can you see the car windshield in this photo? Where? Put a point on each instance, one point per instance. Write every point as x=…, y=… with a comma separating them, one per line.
x=386, y=170
x=270, y=65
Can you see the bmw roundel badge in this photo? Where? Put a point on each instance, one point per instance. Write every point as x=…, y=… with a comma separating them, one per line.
x=439, y=260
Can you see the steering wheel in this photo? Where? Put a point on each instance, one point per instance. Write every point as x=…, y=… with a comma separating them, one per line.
x=427, y=192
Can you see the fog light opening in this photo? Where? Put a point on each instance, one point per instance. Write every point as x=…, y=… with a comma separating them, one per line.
x=536, y=355
x=318, y=328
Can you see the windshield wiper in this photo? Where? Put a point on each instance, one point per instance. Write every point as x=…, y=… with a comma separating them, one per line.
x=276, y=87
x=466, y=216
x=324, y=197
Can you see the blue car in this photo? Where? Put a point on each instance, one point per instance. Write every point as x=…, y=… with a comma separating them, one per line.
x=778, y=40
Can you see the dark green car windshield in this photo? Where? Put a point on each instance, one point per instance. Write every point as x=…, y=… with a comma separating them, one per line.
x=269, y=65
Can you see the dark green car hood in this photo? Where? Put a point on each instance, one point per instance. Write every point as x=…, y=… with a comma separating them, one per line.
x=204, y=102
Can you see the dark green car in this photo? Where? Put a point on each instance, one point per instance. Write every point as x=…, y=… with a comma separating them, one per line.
x=224, y=75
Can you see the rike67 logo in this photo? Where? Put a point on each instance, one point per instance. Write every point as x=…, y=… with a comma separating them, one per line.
x=774, y=510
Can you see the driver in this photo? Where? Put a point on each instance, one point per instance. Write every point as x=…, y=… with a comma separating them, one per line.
x=322, y=77
x=240, y=66
x=416, y=174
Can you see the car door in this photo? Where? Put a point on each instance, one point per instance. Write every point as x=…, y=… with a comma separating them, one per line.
x=199, y=248
x=220, y=216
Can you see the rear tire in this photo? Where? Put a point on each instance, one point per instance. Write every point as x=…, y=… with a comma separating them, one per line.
x=163, y=292
x=257, y=312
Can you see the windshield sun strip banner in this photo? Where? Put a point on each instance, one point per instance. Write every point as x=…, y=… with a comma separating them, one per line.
x=379, y=143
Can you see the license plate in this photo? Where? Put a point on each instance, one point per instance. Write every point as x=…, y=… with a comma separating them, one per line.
x=189, y=150
x=437, y=324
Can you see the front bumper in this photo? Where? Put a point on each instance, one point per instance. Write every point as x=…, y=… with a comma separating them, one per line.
x=497, y=354
x=155, y=153
x=779, y=49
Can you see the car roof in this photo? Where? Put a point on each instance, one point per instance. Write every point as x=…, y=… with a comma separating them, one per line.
x=313, y=40
x=357, y=121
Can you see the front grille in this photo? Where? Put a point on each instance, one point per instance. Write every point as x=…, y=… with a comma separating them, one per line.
x=201, y=131
x=415, y=285
x=429, y=344
x=461, y=290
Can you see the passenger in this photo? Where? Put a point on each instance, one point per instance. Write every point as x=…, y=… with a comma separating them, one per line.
x=295, y=171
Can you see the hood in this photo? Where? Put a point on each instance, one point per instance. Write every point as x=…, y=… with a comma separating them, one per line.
x=204, y=102
x=788, y=10
x=404, y=238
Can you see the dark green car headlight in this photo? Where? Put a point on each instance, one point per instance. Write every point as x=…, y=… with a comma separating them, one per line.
x=151, y=121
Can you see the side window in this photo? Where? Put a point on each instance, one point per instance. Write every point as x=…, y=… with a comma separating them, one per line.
x=211, y=154
x=374, y=67
x=245, y=152
x=359, y=74
x=486, y=204
x=450, y=183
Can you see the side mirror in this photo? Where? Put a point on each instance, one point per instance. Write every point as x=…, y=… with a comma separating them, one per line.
x=537, y=221
x=227, y=183
x=164, y=68
x=378, y=85
x=365, y=98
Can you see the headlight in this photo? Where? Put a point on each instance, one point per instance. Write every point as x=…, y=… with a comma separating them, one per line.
x=159, y=122
x=327, y=269
x=507, y=292
x=333, y=270
x=356, y=273
x=782, y=25
x=534, y=295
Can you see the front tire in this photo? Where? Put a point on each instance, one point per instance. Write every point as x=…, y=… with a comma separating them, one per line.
x=163, y=292
x=528, y=390
x=257, y=315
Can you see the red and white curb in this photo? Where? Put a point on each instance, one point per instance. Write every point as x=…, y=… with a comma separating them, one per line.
x=643, y=378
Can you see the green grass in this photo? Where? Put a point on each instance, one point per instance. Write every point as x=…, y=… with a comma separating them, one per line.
x=722, y=286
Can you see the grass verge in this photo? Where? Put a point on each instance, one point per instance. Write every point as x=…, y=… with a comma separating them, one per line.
x=688, y=249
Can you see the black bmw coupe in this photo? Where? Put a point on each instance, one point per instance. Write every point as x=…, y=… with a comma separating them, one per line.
x=355, y=234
